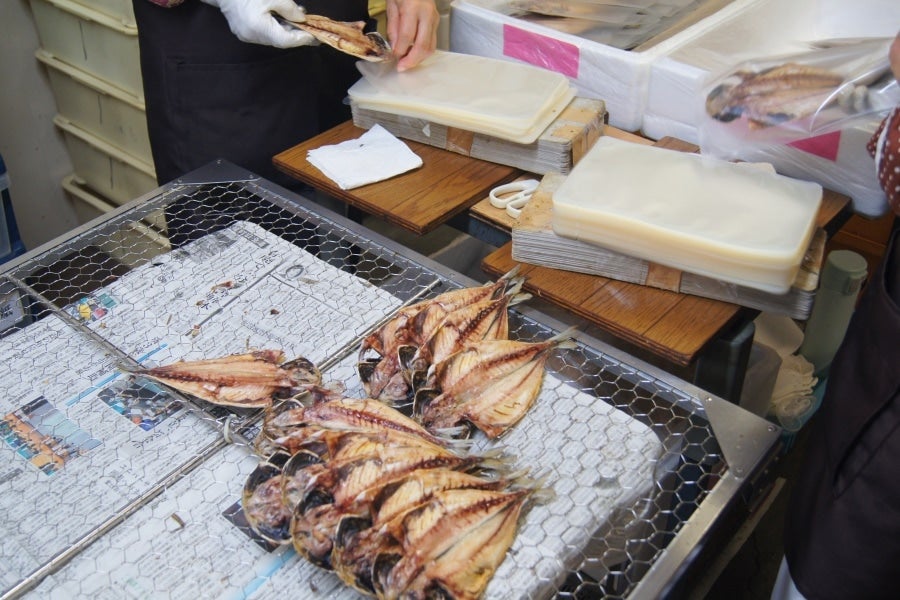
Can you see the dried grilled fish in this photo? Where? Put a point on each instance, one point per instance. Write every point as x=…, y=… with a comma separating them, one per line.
x=359, y=542
x=249, y=380
x=382, y=375
x=433, y=529
x=784, y=93
x=262, y=503
x=490, y=384
x=484, y=320
x=464, y=571
x=346, y=36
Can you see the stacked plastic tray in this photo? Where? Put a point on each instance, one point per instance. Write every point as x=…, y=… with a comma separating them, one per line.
x=90, y=51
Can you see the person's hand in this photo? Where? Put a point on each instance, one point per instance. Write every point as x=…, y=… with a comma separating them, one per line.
x=412, y=30
x=252, y=21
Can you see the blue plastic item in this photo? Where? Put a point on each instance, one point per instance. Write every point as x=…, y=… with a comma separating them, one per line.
x=10, y=242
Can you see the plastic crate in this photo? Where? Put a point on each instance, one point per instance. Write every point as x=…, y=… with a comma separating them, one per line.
x=120, y=10
x=98, y=107
x=130, y=244
x=91, y=41
x=113, y=173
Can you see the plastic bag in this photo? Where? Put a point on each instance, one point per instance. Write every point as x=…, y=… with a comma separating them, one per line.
x=781, y=99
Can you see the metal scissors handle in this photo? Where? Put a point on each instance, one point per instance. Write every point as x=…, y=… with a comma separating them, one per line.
x=513, y=196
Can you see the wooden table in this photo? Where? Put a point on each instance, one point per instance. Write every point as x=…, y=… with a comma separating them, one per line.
x=678, y=328
x=446, y=185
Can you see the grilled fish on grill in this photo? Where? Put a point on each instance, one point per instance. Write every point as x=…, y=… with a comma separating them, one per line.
x=379, y=364
x=250, y=380
x=483, y=320
x=490, y=384
x=450, y=520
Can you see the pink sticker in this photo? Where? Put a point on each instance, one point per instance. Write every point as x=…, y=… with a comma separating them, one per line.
x=825, y=145
x=541, y=51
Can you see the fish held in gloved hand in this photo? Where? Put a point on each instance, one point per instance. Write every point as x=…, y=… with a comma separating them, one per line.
x=346, y=36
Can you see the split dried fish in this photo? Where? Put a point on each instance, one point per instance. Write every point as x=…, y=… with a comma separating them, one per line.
x=346, y=36
x=448, y=521
x=250, y=380
x=490, y=384
x=380, y=368
x=773, y=96
x=483, y=320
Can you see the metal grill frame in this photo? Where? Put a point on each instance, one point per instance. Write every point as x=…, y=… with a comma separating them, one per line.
x=743, y=443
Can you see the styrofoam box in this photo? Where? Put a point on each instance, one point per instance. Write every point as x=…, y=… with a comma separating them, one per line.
x=120, y=10
x=618, y=77
x=759, y=29
x=91, y=41
x=113, y=173
x=102, y=109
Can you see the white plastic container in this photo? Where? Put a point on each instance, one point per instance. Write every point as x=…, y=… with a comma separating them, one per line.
x=618, y=77
x=96, y=106
x=91, y=41
x=756, y=30
x=113, y=173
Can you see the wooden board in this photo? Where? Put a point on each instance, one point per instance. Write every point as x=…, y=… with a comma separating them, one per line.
x=557, y=149
x=446, y=184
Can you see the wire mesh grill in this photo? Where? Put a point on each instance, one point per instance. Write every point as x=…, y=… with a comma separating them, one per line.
x=114, y=486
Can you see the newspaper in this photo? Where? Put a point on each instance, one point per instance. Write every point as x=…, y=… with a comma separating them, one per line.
x=106, y=439
x=80, y=439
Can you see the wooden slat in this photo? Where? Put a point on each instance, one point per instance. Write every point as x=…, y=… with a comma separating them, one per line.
x=673, y=326
x=446, y=185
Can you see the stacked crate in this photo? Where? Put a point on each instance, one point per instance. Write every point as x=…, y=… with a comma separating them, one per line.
x=90, y=50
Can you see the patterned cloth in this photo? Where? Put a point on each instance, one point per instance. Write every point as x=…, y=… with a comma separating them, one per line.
x=884, y=147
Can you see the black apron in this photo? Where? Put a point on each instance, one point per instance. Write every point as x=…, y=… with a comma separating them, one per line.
x=209, y=95
x=842, y=533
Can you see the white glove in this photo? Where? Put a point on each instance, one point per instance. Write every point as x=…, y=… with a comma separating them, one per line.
x=251, y=21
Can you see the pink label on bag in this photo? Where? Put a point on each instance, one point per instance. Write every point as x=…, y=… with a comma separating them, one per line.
x=826, y=145
x=541, y=51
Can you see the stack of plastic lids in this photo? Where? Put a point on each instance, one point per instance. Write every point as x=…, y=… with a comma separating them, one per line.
x=498, y=98
x=734, y=222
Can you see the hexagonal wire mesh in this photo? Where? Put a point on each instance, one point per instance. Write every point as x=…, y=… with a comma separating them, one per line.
x=112, y=483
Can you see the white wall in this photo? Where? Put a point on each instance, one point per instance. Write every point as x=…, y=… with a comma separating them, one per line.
x=33, y=149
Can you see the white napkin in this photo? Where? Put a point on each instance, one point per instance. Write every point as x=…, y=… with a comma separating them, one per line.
x=374, y=156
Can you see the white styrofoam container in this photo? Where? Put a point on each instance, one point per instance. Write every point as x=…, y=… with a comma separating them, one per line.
x=91, y=41
x=113, y=173
x=618, y=77
x=761, y=29
x=121, y=10
x=98, y=107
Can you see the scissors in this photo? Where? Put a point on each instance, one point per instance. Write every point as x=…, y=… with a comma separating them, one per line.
x=513, y=196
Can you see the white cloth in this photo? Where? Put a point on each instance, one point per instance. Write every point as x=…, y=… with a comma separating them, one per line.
x=375, y=156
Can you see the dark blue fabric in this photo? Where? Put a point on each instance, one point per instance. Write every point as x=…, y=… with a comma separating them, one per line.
x=842, y=532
